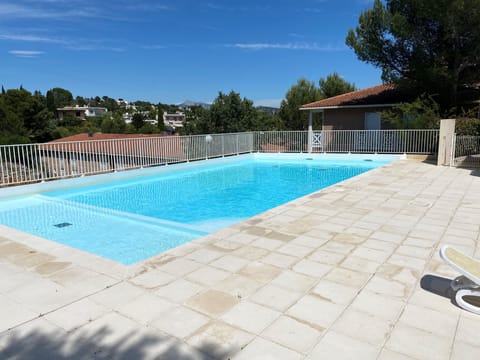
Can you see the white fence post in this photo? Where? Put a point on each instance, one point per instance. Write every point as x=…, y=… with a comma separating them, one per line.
x=310, y=131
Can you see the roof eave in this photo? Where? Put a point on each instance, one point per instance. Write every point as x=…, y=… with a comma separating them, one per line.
x=348, y=106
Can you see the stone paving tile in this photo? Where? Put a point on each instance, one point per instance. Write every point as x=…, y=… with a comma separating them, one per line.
x=359, y=264
x=311, y=268
x=316, y=311
x=279, y=260
x=292, y=334
x=419, y=344
x=295, y=250
x=179, y=290
x=267, y=244
x=388, y=236
x=13, y=314
x=378, y=256
x=378, y=305
x=363, y=326
x=392, y=355
x=326, y=257
x=337, y=346
x=212, y=302
x=250, y=317
x=294, y=281
x=308, y=241
x=275, y=297
x=9, y=281
x=33, y=260
x=388, y=287
x=227, y=245
x=152, y=279
x=179, y=321
x=260, y=272
x=430, y=320
x=250, y=252
x=335, y=292
x=464, y=351
x=144, y=308
x=230, y=263
x=219, y=340
x=401, y=274
x=110, y=330
x=180, y=267
x=77, y=314
x=379, y=245
x=260, y=349
x=338, y=247
x=347, y=277
x=468, y=329
x=238, y=286
x=207, y=275
x=42, y=296
x=407, y=261
x=37, y=339
x=117, y=295
x=204, y=256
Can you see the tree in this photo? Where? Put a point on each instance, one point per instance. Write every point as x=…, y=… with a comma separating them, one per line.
x=110, y=104
x=427, y=46
x=138, y=120
x=334, y=85
x=422, y=113
x=58, y=97
x=303, y=92
x=26, y=115
x=195, y=117
x=229, y=113
x=80, y=101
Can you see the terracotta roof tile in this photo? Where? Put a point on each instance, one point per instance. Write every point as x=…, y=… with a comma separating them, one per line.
x=101, y=136
x=152, y=145
x=375, y=95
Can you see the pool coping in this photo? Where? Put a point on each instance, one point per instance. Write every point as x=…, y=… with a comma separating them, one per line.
x=121, y=271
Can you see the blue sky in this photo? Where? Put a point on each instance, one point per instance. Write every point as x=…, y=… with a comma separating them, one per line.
x=171, y=50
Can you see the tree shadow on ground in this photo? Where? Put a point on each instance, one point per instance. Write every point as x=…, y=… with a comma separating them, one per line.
x=78, y=345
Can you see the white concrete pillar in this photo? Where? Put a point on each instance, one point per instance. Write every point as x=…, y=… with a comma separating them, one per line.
x=445, y=142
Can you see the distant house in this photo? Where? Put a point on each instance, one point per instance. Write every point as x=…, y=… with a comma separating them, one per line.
x=176, y=120
x=357, y=110
x=80, y=112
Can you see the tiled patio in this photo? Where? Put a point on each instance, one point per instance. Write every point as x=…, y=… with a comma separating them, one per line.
x=351, y=272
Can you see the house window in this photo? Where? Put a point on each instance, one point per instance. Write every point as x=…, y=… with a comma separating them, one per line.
x=372, y=121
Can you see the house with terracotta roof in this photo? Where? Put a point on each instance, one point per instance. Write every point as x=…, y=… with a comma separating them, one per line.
x=357, y=110
x=97, y=152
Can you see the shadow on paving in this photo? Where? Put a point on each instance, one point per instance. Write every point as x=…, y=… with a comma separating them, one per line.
x=475, y=172
x=41, y=345
x=437, y=285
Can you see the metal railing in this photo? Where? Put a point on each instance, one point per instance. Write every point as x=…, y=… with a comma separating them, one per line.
x=359, y=141
x=30, y=163
x=20, y=164
x=466, y=151
x=281, y=141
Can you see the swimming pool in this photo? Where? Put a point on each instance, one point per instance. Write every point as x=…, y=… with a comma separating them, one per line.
x=138, y=216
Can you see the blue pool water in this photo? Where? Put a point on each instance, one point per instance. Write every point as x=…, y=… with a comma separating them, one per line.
x=132, y=219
